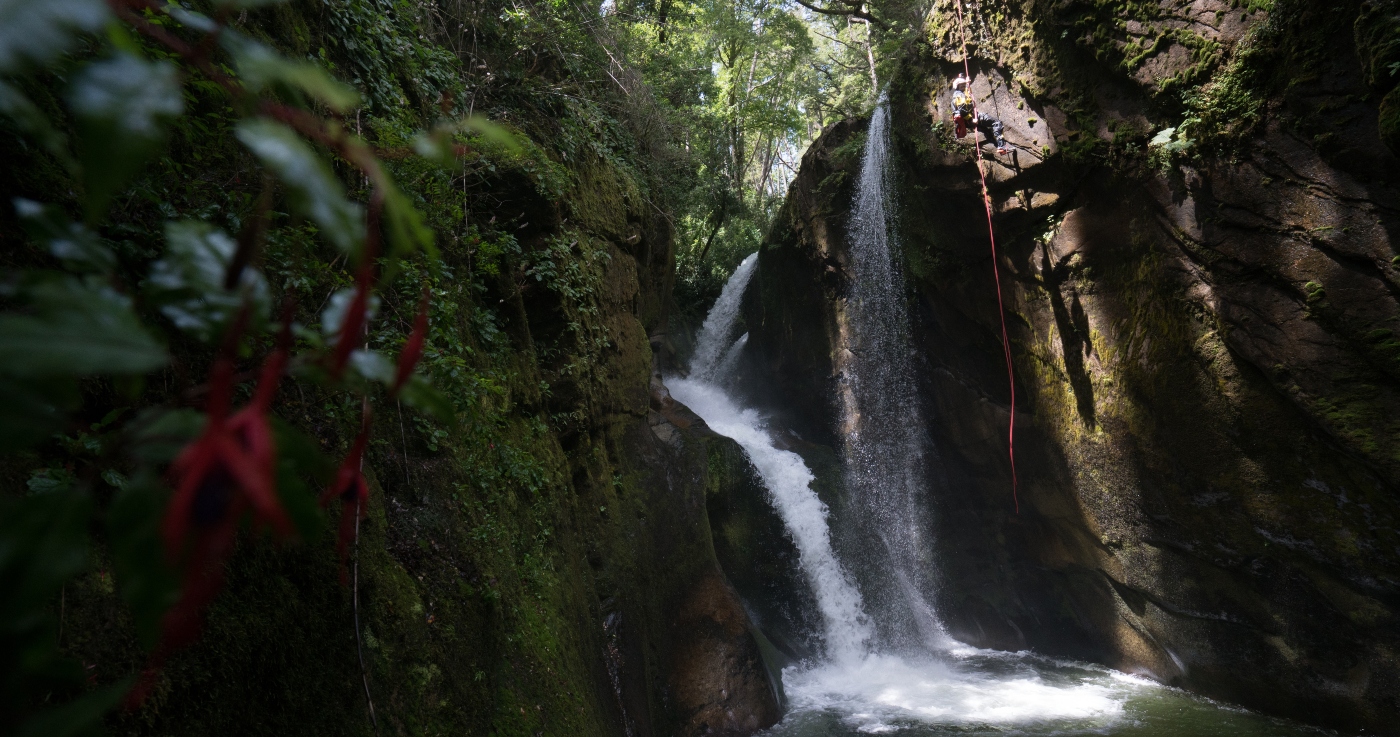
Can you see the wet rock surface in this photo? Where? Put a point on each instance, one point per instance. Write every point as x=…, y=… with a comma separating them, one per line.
x=1205, y=370
x=719, y=679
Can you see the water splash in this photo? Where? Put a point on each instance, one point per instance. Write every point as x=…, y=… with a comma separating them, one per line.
x=788, y=481
x=730, y=363
x=716, y=333
x=885, y=438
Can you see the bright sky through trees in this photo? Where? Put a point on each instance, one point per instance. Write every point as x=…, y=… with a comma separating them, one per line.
x=750, y=83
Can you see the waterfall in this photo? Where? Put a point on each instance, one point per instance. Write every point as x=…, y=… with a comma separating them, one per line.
x=730, y=362
x=886, y=443
x=895, y=671
x=785, y=475
x=714, y=335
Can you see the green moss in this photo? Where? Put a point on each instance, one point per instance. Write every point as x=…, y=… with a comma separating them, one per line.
x=1377, y=32
x=1390, y=120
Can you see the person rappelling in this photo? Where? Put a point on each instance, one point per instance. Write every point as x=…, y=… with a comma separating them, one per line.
x=965, y=112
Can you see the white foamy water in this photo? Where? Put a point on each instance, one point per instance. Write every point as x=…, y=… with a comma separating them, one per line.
x=788, y=481
x=730, y=362
x=714, y=335
x=885, y=448
x=964, y=692
x=885, y=693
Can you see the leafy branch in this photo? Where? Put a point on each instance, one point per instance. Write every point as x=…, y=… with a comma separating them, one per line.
x=193, y=480
x=850, y=8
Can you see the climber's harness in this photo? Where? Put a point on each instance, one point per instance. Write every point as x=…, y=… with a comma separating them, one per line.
x=962, y=111
x=962, y=104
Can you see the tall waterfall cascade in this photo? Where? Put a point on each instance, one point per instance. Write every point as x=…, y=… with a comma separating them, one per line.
x=886, y=444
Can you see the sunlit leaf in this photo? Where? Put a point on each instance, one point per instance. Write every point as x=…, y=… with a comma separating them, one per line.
x=373, y=366
x=32, y=122
x=492, y=132
x=437, y=145
x=189, y=281
x=315, y=191
x=79, y=248
x=123, y=105
x=197, y=21
x=334, y=314
x=75, y=328
x=260, y=67
x=38, y=31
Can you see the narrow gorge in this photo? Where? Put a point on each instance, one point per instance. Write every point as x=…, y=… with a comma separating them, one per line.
x=461, y=367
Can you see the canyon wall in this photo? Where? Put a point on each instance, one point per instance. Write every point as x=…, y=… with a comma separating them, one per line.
x=1196, y=232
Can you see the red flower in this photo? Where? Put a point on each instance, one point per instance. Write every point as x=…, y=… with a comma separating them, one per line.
x=231, y=468
x=412, y=351
x=232, y=465
x=350, y=488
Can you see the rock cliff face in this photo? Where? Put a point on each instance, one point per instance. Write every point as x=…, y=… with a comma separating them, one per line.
x=1201, y=323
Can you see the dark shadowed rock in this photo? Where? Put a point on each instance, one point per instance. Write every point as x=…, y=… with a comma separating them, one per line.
x=718, y=675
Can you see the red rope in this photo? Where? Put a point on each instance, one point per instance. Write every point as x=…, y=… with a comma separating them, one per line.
x=996, y=272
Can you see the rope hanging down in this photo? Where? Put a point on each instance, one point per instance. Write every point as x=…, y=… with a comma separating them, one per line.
x=996, y=272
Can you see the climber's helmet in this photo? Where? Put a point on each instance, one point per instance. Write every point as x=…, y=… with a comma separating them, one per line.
x=960, y=84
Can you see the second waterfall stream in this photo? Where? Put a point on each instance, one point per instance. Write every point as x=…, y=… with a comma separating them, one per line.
x=887, y=666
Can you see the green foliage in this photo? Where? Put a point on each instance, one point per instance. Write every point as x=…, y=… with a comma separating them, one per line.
x=1230, y=106
x=71, y=325
x=315, y=191
x=260, y=68
x=75, y=327
x=123, y=106
x=1389, y=119
x=43, y=543
x=37, y=33
x=1168, y=147
x=748, y=84
x=221, y=177
x=188, y=282
x=1377, y=32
